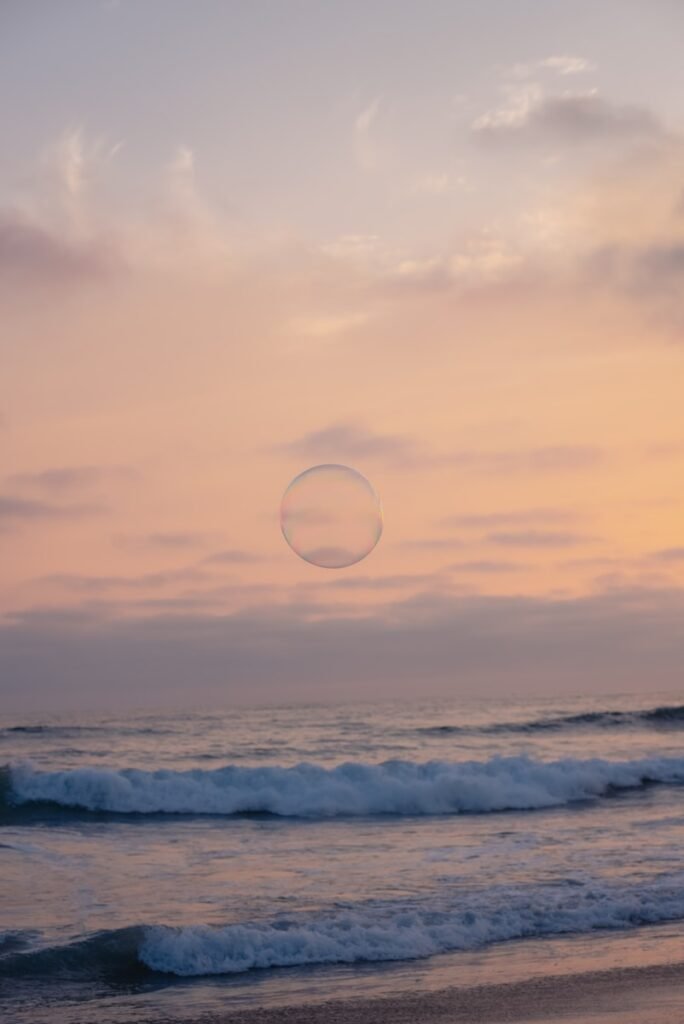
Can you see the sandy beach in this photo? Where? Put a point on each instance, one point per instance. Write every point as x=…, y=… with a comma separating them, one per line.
x=649, y=995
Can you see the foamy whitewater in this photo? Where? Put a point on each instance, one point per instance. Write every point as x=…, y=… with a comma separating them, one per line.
x=223, y=847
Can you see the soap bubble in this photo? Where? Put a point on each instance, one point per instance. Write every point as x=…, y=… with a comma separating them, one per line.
x=331, y=516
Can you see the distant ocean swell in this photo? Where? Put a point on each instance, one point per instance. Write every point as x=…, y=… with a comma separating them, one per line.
x=353, y=789
x=69, y=731
x=354, y=934
x=667, y=716
x=661, y=717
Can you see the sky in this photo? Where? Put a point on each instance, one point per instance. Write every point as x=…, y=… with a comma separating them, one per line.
x=440, y=242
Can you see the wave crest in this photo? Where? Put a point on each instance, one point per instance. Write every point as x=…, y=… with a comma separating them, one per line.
x=352, y=789
x=372, y=931
x=406, y=932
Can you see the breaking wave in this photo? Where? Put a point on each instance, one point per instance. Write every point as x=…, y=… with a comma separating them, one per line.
x=367, y=932
x=352, y=789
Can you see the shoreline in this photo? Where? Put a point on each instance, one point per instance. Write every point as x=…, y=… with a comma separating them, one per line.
x=589, y=996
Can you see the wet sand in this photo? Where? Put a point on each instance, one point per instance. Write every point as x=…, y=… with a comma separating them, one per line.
x=648, y=995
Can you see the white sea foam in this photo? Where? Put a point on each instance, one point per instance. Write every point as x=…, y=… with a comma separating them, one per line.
x=409, y=932
x=310, y=791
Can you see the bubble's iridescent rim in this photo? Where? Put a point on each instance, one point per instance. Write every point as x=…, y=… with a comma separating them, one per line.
x=369, y=487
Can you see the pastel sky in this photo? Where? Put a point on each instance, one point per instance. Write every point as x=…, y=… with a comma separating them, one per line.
x=439, y=241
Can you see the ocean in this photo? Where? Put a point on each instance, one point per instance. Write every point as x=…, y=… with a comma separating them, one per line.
x=167, y=866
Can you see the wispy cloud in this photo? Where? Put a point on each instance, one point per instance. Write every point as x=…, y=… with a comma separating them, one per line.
x=188, y=211
x=546, y=459
x=77, y=155
x=666, y=450
x=99, y=584
x=669, y=555
x=433, y=543
x=231, y=556
x=484, y=258
x=72, y=230
x=351, y=440
x=365, y=147
x=164, y=539
x=32, y=253
x=181, y=179
x=15, y=510
x=487, y=567
x=566, y=65
x=328, y=326
x=436, y=184
x=71, y=158
x=628, y=238
x=651, y=275
x=654, y=267
x=63, y=479
x=563, y=65
x=538, y=538
x=529, y=116
x=398, y=581
x=526, y=516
